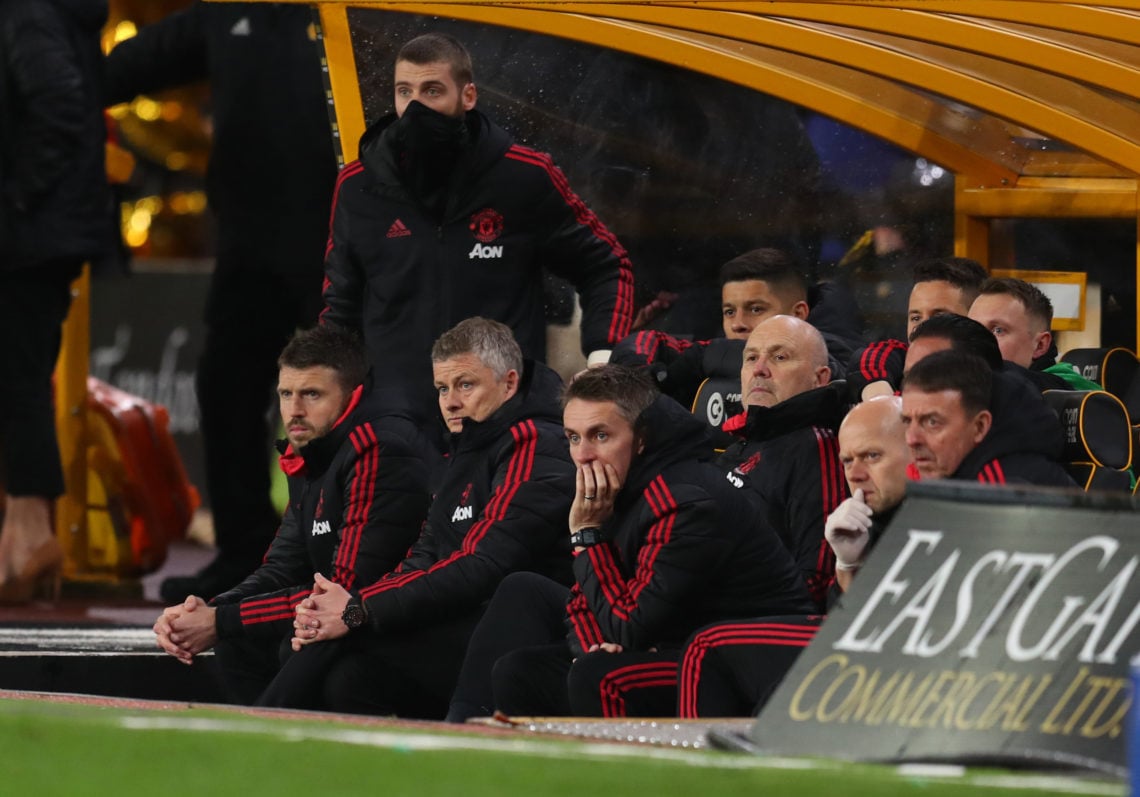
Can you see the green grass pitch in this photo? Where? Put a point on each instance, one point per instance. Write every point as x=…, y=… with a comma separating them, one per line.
x=56, y=748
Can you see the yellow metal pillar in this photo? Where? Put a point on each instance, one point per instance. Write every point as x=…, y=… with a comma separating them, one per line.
x=971, y=233
x=71, y=426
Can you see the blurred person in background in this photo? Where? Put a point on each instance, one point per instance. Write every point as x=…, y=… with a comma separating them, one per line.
x=55, y=213
x=270, y=180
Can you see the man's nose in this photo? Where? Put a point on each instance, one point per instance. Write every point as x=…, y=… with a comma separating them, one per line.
x=584, y=452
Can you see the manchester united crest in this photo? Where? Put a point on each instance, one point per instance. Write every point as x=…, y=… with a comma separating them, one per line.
x=486, y=225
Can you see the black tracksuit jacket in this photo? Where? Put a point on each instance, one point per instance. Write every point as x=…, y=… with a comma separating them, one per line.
x=680, y=550
x=402, y=275
x=502, y=505
x=789, y=456
x=878, y=361
x=1025, y=440
x=357, y=500
x=54, y=197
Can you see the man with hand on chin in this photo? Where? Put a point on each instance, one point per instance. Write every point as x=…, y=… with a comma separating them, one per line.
x=661, y=546
x=730, y=669
x=874, y=455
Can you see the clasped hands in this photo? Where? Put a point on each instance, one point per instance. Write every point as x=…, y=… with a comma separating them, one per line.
x=318, y=617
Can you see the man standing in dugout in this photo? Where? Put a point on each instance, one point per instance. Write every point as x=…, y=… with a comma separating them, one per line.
x=444, y=217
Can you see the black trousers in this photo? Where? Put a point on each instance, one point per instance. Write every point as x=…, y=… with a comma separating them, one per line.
x=260, y=671
x=526, y=609
x=409, y=672
x=730, y=669
x=520, y=663
x=250, y=315
x=547, y=681
x=33, y=304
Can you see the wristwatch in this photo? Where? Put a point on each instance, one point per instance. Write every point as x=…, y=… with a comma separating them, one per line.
x=585, y=537
x=353, y=615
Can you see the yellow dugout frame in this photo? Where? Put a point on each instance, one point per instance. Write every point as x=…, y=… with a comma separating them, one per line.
x=983, y=88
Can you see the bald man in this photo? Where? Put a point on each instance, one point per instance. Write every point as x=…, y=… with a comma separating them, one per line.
x=874, y=455
x=788, y=456
x=787, y=452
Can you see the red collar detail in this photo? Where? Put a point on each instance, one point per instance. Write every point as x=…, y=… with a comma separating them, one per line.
x=912, y=473
x=735, y=423
x=292, y=463
x=353, y=400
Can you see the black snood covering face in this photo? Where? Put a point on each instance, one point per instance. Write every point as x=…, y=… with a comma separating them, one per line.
x=430, y=145
x=424, y=131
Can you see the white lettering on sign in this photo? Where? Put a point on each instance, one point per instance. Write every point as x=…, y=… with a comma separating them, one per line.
x=1081, y=618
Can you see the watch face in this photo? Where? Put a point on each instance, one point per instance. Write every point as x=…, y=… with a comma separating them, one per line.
x=353, y=616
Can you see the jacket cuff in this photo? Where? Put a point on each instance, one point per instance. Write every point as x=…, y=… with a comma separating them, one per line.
x=227, y=621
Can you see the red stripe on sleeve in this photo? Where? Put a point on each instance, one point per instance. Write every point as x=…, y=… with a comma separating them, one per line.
x=622, y=318
x=520, y=468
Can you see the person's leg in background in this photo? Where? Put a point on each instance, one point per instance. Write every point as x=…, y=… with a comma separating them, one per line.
x=33, y=305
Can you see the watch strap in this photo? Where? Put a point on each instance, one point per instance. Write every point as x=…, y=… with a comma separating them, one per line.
x=586, y=537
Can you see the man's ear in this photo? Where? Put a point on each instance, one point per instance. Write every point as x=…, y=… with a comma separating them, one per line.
x=981, y=425
x=823, y=375
x=511, y=384
x=1042, y=343
x=800, y=310
x=470, y=95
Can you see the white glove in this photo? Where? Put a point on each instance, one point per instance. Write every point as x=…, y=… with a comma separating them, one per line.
x=848, y=530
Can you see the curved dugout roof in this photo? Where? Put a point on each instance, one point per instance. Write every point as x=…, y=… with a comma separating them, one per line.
x=1034, y=105
x=1004, y=93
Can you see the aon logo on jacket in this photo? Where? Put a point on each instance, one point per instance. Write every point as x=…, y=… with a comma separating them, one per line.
x=485, y=252
x=462, y=513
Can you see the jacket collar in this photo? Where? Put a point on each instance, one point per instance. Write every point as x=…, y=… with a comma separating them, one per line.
x=822, y=406
x=318, y=453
